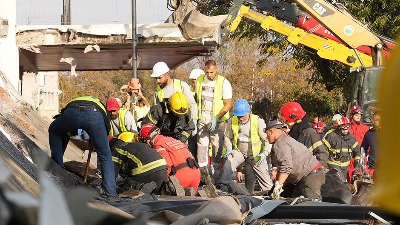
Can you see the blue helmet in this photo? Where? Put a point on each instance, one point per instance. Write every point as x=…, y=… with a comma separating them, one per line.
x=241, y=107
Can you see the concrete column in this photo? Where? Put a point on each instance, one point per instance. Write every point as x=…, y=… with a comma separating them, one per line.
x=9, y=61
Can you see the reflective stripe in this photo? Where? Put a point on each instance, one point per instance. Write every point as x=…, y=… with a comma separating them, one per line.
x=339, y=150
x=355, y=145
x=337, y=163
x=149, y=166
x=140, y=167
x=177, y=87
x=218, y=102
x=256, y=142
x=208, y=98
x=314, y=146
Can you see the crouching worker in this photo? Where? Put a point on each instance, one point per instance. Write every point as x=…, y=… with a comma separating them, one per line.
x=295, y=164
x=142, y=167
x=183, y=170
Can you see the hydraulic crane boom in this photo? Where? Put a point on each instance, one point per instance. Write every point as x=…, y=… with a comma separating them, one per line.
x=327, y=49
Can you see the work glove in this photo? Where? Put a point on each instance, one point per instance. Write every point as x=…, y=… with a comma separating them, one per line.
x=214, y=123
x=194, y=132
x=276, y=194
x=260, y=158
x=228, y=151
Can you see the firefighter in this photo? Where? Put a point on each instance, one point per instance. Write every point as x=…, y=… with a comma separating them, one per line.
x=166, y=87
x=137, y=163
x=294, y=165
x=370, y=143
x=181, y=163
x=358, y=129
x=172, y=119
x=121, y=118
x=246, y=142
x=342, y=147
x=295, y=117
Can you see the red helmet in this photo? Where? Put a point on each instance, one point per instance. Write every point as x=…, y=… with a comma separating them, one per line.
x=291, y=112
x=344, y=122
x=148, y=131
x=356, y=110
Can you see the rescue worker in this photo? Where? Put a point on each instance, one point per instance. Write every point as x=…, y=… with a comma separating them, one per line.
x=194, y=74
x=358, y=129
x=90, y=114
x=166, y=86
x=246, y=142
x=336, y=121
x=181, y=163
x=293, y=164
x=172, y=119
x=295, y=117
x=370, y=143
x=121, y=118
x=214, y=100
x=342, y=147
x=138, y=164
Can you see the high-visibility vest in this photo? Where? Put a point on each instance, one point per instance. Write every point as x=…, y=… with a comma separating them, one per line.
x=218, y=102
x=177, y=87
x=121, y=120
x=256, y=143
x=90, y=99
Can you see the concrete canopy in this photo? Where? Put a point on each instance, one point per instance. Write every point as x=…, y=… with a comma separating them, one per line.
x=105, y=47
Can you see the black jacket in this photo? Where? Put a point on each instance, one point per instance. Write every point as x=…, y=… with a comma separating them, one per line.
x=170, y=125
x=135, y=158
x=305, y=134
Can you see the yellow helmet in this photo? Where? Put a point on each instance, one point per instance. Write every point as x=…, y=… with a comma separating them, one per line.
x=178, y=103
x=387, y=187
x=128, y=137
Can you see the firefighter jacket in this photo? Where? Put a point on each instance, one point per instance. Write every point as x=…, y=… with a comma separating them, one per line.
x=292, y=158
x=178, y=127
x=358, y=130
x=89, y=100
x=305, y=134
x=218, y=102
x=175, y=153
x=341, y=148
x=135, y=158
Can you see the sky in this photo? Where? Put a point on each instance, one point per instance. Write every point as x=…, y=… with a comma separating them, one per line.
x=85, y=12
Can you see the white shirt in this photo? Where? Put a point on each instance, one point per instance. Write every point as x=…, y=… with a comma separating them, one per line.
x=207, y=97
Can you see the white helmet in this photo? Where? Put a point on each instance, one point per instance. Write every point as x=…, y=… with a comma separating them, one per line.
x=337, y=118
x=159, y=69
x=196, y=73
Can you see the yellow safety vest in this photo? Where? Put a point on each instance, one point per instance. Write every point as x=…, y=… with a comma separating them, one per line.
x=177, y=87
x=90, y=99
x=218, y=102
x=141, y=168
x=256, y=143
x=121, y=119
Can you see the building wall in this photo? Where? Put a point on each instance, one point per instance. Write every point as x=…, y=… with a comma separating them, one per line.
x=41, y=92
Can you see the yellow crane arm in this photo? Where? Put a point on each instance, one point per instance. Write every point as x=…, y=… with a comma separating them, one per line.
x=327, y=49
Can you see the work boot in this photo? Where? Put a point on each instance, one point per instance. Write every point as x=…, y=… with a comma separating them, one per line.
x=179, y=191
x=209, y=188
x=189, y=191
x=148, y=188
